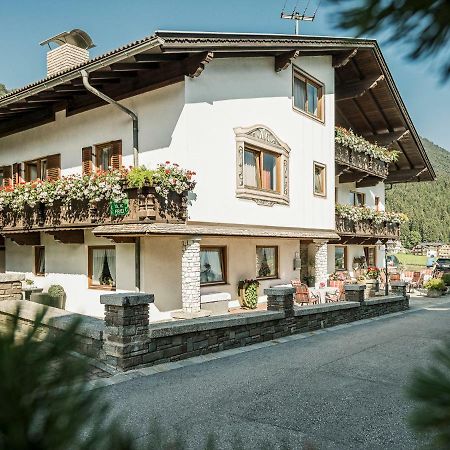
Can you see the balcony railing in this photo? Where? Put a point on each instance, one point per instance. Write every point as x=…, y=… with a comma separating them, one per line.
x=361, y=162
x=143, y=205
x=367, y=228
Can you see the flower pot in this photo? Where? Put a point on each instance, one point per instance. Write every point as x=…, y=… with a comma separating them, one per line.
x=248, y=296
x=372, y=287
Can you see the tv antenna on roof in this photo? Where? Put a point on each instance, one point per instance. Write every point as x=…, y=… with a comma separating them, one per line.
x=295, y=15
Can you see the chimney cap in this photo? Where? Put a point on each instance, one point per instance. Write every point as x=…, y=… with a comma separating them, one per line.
x=76, y=37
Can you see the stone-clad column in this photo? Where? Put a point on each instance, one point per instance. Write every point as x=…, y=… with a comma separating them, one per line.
x=321, y=261
x=280, y=299
x=190, y=280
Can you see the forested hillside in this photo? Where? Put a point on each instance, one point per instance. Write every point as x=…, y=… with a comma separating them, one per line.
x=3, y=89
x=427, y=204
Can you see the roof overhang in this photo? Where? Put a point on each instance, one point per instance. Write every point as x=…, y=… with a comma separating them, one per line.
x=367, y=99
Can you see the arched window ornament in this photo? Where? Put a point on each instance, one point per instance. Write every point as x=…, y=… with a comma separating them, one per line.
x=262, y=166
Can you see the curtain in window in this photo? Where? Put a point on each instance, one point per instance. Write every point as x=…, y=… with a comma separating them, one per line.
x=41, y=260
x=250, y=169
x=299, y=93
x=211, y=269
x=111, y=259
x=318, y=180
x=269, y=172
x=105, y=158
x=339, y=258
x=266, y=262
x=104, y=267
x=313, y=95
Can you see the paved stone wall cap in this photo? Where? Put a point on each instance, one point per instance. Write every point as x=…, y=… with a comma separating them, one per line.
x=8, y=277
x=355, y=287
x=285, y=290
x=127, y=299
x=399, y=283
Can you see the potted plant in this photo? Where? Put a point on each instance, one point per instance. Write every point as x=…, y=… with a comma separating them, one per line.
x=55, y=297
x=372, y=281
x=435, y=287
x=248, y=292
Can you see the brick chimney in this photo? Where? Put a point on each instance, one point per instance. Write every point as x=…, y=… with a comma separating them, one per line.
x=65, y=57
x=72, y=49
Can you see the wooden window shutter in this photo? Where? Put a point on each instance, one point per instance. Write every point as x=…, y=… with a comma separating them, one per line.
x=86, y=160
x=53, y=171
x=17, y=173
x=116, y=155
x=7, y=176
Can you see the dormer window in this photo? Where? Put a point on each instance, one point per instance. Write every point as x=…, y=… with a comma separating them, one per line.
x=262, y=166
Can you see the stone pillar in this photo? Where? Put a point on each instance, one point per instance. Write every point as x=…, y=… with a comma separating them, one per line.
x=190, y=280
x=280, y=299
x=320, y=261
x=399, y=288
x=354, y=292
x=11, y=286
x=126, y=328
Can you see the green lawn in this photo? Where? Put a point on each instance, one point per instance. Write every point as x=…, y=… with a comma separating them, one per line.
x=412, y=261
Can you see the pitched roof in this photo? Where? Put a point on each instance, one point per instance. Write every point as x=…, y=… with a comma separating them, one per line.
x=373, y=108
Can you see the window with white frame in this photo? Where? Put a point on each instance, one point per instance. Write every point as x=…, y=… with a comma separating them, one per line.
x=262, y=166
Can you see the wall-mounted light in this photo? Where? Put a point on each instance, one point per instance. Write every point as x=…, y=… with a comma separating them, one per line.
x=297, y=261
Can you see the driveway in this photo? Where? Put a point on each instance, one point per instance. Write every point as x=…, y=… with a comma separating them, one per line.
x=341, y=388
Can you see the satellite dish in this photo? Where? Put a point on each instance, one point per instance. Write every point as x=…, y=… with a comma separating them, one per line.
x=76, y=37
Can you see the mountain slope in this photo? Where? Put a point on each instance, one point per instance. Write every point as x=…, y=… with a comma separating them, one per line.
x=427, y=204
x=3, y=90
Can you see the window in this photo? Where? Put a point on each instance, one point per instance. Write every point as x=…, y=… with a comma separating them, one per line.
x=267, y=262
x=102, y=267
x=340, y=258
x=212, y=265
x=39, y=260
x=307, y=94
x=46, y=168
x=262, y=166
x=377, y=204
x=320, y=180
x=357, y=198
x=371, y=256
x=102, y=157
x=260, y=169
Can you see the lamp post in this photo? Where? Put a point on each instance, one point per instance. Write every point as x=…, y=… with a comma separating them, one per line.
x=387, y=245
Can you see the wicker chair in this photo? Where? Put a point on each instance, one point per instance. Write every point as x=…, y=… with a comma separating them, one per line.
x=303, y=295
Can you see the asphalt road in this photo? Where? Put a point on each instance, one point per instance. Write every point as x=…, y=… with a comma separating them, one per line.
x=340, y=389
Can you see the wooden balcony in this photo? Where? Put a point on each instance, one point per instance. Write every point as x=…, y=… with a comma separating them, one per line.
x=353, y=166
x=365, y=231
x=66, y=222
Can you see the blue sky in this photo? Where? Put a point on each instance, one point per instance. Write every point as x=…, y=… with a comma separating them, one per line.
x=111, y=23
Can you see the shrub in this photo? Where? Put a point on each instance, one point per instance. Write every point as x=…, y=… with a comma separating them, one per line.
x=446, y=279
x=436, y=284
x=55, y=290
x=139, y=177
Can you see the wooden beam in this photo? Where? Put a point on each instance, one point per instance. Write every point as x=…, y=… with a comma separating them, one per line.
x=122, y=239
x=343, y=58
x=284, y=60
x=387, y=139
x=105, y=75
x=195, y=65
x=356, y=89
x=352, y=177
x=118, y=67
x=368, y=181
x=404, y=175
x=31, y=238
x=68, y=236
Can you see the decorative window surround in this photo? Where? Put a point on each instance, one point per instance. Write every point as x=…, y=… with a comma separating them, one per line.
x=262, y=138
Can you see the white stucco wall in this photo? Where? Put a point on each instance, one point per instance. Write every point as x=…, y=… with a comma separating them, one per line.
x=344, y=189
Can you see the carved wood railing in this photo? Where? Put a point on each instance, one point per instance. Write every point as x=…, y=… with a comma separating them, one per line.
x=360, y=161
x=144, y=206
x=367, y=227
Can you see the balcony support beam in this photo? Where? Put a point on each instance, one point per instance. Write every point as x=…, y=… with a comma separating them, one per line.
x=352, y=177
x=31, y=238
x=357, y=89
x=343, y=59
x=68, y=236
x=387, y=139
x=368, y=182
x=284, y=60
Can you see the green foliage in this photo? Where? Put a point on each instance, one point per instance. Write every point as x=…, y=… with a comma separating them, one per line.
x=430, y=388
x=427, y=204
x=55, y=290
x=45, y=402
x=3, y=89
x=435, y=284
x=139, y=177
x=446, y=279
x=424, y=25
x=249, y=289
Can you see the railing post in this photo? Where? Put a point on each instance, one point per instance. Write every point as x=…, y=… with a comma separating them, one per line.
x=280, y=299
x=354, y=292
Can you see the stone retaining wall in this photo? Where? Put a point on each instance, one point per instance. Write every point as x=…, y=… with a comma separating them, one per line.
x=11, y=286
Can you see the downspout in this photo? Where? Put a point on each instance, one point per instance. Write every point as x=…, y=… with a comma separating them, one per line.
x=134, y=117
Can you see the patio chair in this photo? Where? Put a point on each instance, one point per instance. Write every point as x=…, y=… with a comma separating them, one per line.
x=303, y=295
x=335, y=296
x=415, y=281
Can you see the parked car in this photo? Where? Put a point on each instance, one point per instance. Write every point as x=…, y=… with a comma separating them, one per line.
x=443, y=265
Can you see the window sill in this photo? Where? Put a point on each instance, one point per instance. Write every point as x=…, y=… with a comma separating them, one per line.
x=320, y=195
x=218, y=283
x=102, y=288
x=307, y=114
x=268, y=278
x=261, y=197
